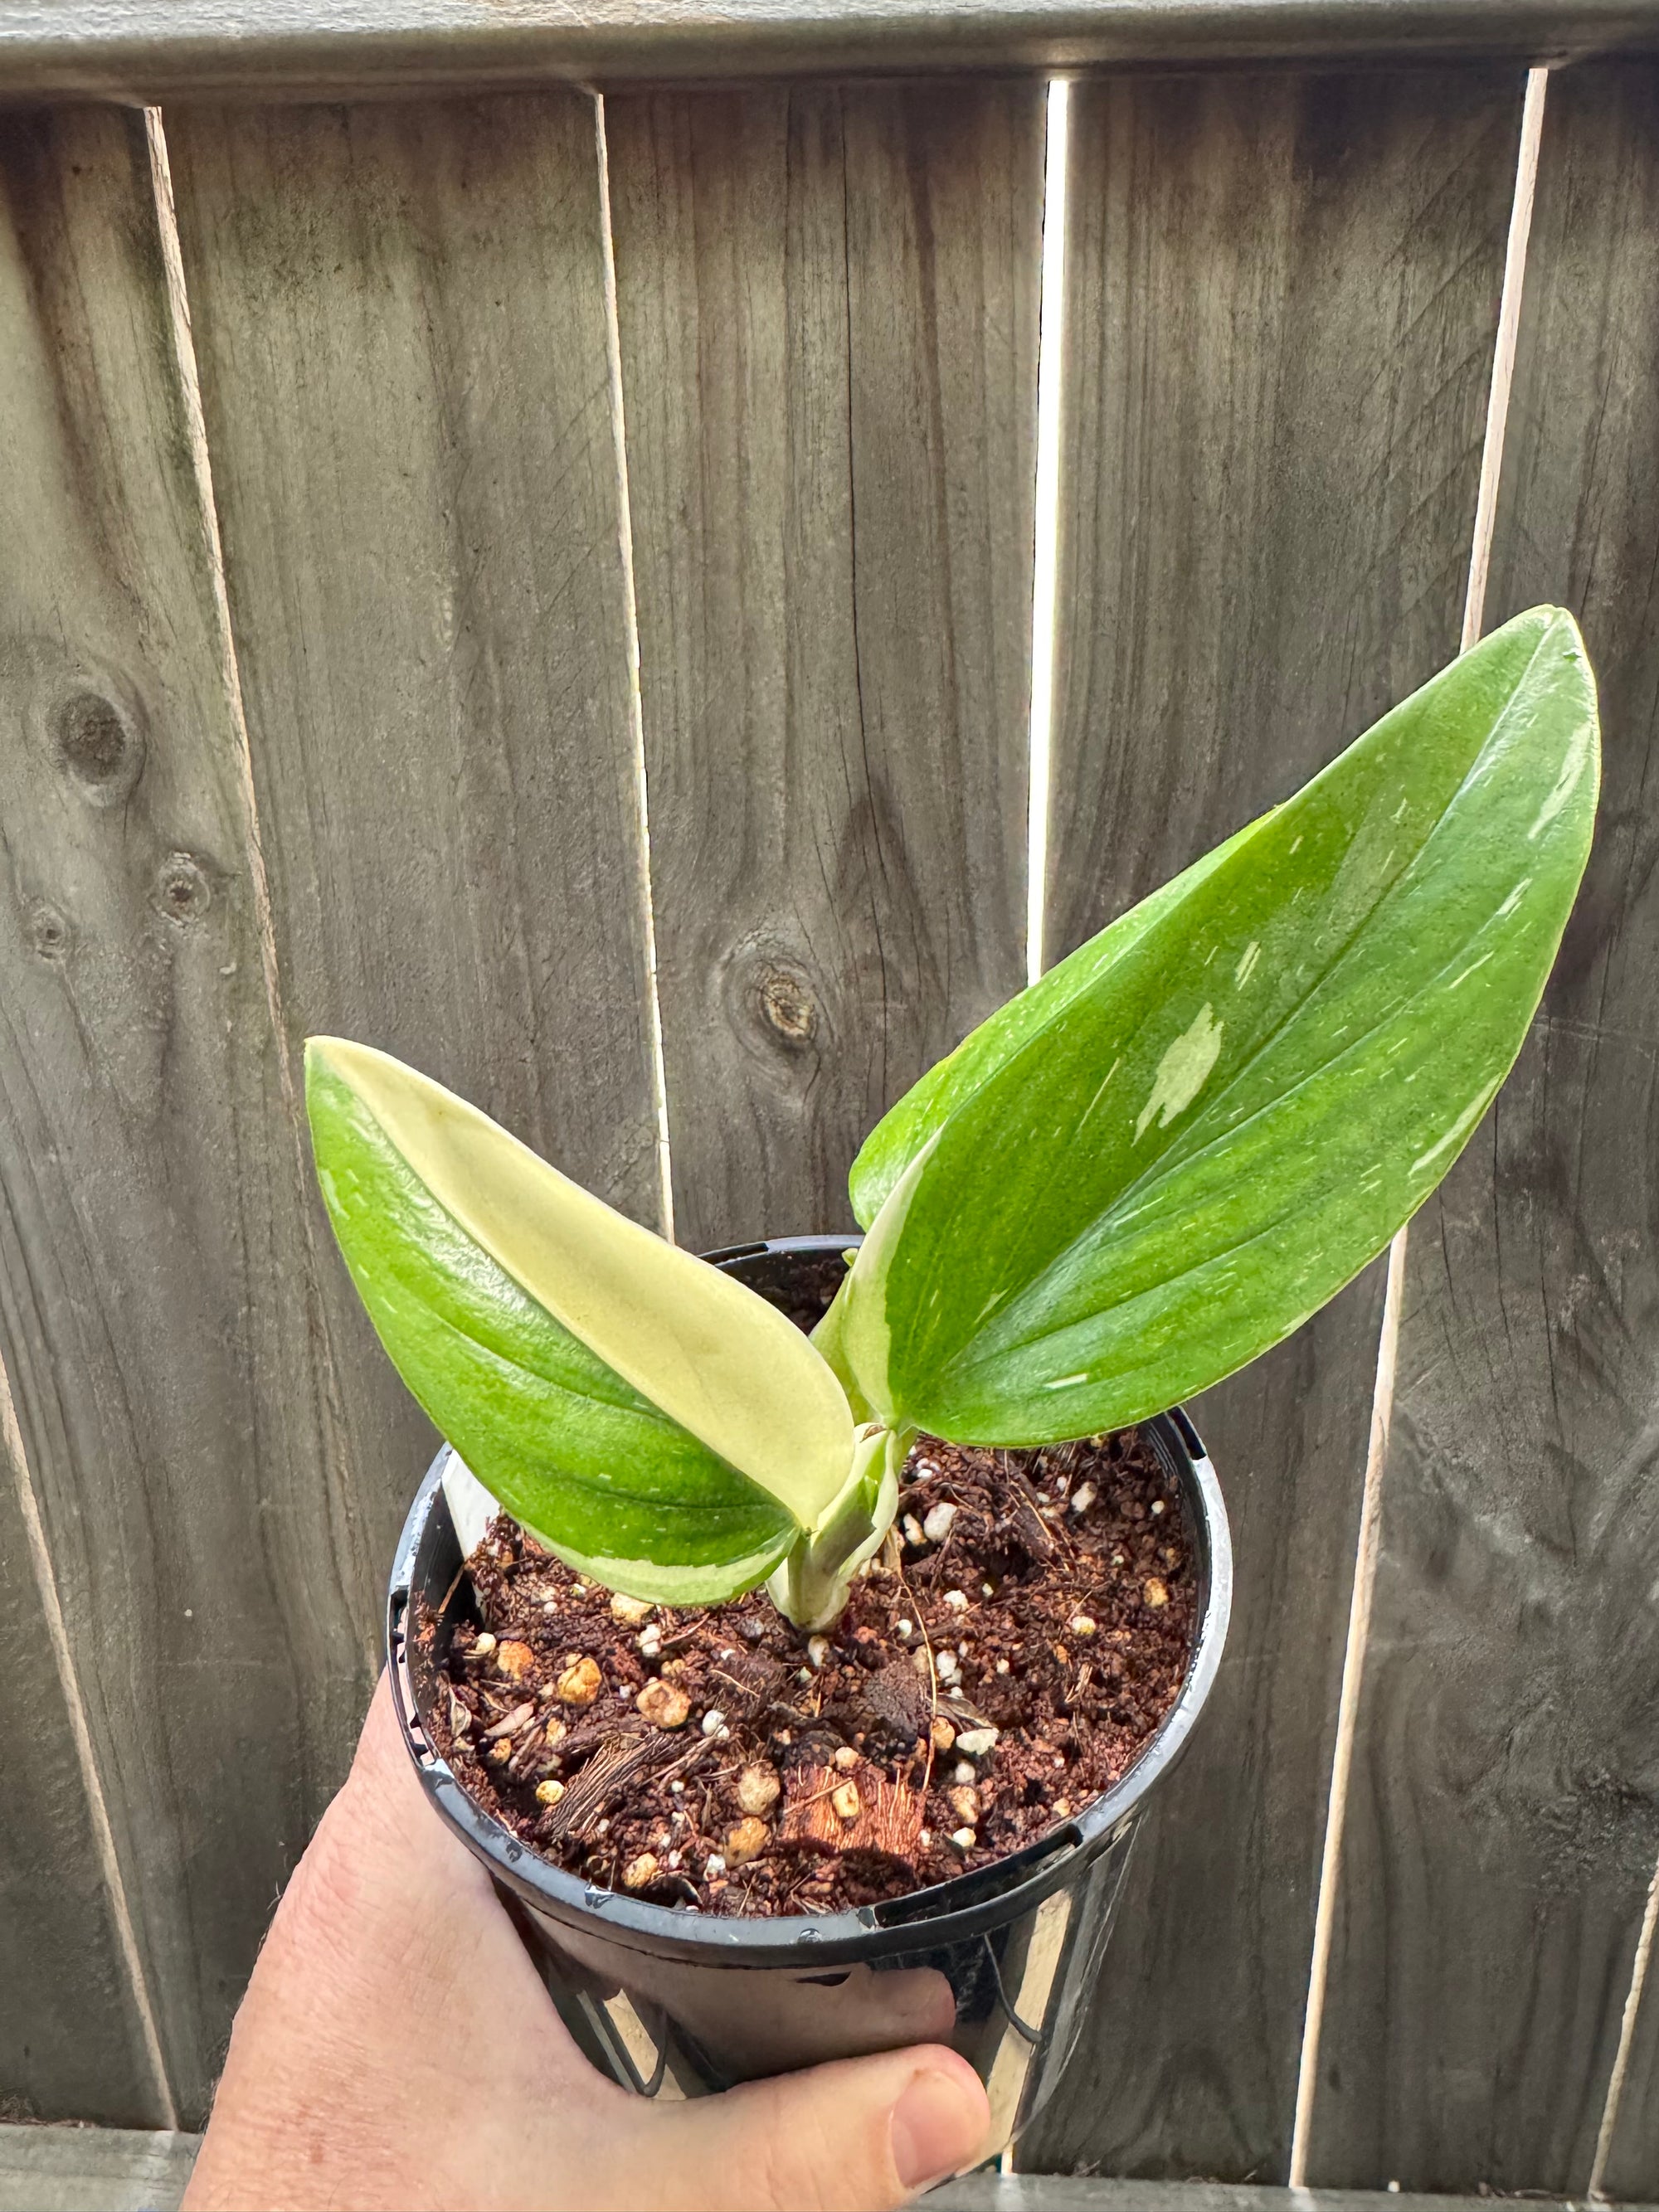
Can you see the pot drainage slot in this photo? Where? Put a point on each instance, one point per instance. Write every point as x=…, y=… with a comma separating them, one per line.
x=403, y=1689
x=636, y=2048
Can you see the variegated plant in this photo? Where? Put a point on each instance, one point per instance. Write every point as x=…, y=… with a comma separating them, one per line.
x=1143, y=1171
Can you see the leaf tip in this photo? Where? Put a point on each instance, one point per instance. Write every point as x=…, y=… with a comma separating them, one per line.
x=331, y=1057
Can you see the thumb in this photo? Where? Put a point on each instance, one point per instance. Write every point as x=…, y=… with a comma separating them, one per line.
x=861, y=2134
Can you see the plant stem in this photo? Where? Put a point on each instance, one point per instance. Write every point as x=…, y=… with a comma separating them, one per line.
x=811, y=1587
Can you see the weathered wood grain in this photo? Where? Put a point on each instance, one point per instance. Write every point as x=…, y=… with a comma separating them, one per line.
x=94, y=2169
x=110, y=2169
x=1504, y=1818
x=828, y=308
x=159, y=50
x=1633, y=2152
x=1065, y=2192
x=71, y=2040
x=1284, y=296
x=153, y=1317
x=399, y=314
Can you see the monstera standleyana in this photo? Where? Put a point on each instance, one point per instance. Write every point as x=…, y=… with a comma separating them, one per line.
x=1140, y=1173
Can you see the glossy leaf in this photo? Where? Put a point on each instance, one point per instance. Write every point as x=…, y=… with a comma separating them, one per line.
x=1155, y=1172
x=656, y=1422
x=928, y=1104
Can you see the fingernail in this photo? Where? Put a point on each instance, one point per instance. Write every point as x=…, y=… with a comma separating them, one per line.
x=936, y=2126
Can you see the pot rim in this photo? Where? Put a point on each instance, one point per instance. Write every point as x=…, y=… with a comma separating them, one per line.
x=943, y=1912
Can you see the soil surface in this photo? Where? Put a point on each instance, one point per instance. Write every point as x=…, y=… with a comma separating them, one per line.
x=1002, y=1662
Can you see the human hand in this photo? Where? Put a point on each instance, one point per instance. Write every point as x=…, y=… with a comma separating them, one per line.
x=397, y=2048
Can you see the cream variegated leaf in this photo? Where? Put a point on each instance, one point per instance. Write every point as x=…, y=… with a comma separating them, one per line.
x=652, y=1419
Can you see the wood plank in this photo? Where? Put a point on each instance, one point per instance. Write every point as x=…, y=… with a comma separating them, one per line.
x=400, y=313
x=828, y=306
x=161, y=49
x=154, y=1319
x=1632, y=2167
x=112, y=2169
x=93, y=2169
x=1505, y=1818
x=1066, y=2192
x=1284, y=299
x=1610, y=126
x=70, y=2038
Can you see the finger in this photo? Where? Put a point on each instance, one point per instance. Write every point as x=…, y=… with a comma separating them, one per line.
x=863, y=2135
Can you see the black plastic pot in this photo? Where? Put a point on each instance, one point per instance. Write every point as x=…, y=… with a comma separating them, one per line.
x=998, y=1963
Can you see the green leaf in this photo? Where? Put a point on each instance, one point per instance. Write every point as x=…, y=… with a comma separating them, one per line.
x=611, y=1514
x=927, y=1105
x=1183, y=1157
x=863, y=1337
x=827, y=1337
x=650, y=1418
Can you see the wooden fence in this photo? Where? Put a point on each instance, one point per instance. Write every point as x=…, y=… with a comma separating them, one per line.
x=357, y=453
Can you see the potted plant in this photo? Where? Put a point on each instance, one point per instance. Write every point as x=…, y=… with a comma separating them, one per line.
x=892, y=1798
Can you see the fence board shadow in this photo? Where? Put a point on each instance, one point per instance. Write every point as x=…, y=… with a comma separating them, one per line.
x=1284, y=295
x=828, y=308
x=1504, y=1823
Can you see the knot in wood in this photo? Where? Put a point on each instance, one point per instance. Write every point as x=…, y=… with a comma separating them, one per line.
x=183, y=892
x=49, y=932
x=787, y=1002
x=98, y=745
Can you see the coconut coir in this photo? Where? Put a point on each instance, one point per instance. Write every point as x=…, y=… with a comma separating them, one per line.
x=1003, y=1662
